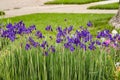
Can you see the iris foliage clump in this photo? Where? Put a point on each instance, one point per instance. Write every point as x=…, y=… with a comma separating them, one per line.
x=26, y=54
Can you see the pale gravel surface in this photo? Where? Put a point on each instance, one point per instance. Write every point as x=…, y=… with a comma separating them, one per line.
x=11, y=4
x=22, y=7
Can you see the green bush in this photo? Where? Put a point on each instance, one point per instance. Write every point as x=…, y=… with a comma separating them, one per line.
x=2, y=13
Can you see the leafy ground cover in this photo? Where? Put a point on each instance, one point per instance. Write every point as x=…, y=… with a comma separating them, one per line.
x=57, y=50
x=106, y=6
x=71, y=1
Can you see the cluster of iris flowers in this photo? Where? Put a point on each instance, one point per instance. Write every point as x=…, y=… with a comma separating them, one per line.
x=71, y=40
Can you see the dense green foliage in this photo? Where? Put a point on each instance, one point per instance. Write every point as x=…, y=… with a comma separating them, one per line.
x=2, y=13
x=19, y=64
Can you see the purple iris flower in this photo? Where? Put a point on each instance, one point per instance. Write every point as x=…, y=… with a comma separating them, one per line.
x=9, y=26
x=33, y=43
x=87, y=38
x=116, y=36
x=72, y=48
x=76, y=41
x=65, y=31
x=78, y=34
x=119, y=38
x=92, y=46
x=59, y=29
x=89, y=24
x=36, y=44
x=39, y=34
x=44, y=44
x=30, y=29
x=27, y=31
x=104, y=33
x=105, y=44
x=98, y=42
x=46, y=53
x=49, y=28
x=85, y=33
x=27, y=47
x=70, y=29
x=12, y=38
x=111, y=38
x=33, y=27
x=31, y=40
x=70, y=40
x=9, y=34
x=52, y=48
x=60, y=34
x=67, y=45
x=21, y=30
x=5, y=33
x=58, y=40
x=83, y=46
x=98, y=36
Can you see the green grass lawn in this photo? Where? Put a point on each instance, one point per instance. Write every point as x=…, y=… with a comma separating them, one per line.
x=100, y=21
x=106, y=6
x=71, y=1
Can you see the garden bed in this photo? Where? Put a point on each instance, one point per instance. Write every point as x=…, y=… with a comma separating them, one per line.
x=59, y=50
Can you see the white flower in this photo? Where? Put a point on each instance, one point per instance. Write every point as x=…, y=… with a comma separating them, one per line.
x=103, y=39
x=117, y=64
x=114, y=32
x=116, y=42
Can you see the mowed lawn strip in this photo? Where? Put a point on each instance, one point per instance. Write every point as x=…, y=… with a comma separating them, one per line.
x=71, y=1
x=106, y=6
x=41, y=20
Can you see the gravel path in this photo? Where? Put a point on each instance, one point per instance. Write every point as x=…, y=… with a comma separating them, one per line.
x=22, y=7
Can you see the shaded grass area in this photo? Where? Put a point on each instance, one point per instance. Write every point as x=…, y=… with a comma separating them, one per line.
x=71, y=1
x=106, y=6
x=2, y=13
